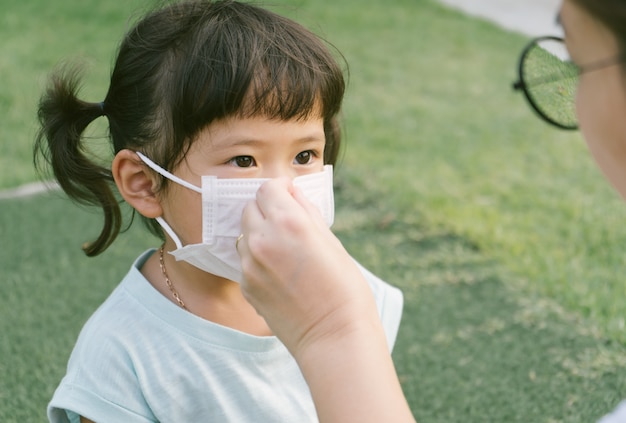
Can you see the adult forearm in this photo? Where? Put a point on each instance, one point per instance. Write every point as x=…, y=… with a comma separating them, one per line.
x=352, y=379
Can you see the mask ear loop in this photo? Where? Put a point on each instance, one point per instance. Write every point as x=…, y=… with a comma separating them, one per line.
x=158, y=169
x=170, y=232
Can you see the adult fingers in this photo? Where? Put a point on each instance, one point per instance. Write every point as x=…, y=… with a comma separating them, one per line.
x=275, y=195
x=309, y=207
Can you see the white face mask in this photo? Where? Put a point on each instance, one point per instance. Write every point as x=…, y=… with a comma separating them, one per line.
x=223, y=201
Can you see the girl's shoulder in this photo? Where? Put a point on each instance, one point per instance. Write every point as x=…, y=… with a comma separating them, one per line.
x=389, y=301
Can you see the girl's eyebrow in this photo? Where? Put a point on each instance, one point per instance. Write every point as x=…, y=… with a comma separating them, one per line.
x=255, y=141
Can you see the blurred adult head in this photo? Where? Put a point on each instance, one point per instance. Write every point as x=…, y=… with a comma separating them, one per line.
x=595, y=31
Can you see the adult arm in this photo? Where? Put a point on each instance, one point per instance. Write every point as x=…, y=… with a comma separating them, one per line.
x=301, y=280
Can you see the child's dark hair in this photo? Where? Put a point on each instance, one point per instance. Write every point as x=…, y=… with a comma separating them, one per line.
x=179, y=69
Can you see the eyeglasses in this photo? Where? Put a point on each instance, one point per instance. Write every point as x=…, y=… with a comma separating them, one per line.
x=549, y=79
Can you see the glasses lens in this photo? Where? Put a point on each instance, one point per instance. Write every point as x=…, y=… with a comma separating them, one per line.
x=550, y=80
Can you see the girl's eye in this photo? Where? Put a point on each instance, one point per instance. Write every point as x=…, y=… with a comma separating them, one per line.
x=243, y=161
x=305, y=157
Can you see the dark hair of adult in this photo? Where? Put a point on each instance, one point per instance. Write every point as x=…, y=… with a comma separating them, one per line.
x=611, y=13
x=179, y=69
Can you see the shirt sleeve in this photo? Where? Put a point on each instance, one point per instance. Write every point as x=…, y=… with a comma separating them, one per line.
x=103, y=402
x=71, y=402
x=617, y=416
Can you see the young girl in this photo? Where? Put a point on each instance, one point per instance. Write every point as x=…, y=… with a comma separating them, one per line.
x=207, y=101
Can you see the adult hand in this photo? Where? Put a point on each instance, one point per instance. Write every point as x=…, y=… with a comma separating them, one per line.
x=298, y=275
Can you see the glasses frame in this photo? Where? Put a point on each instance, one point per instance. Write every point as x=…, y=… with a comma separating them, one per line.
x=520, y=84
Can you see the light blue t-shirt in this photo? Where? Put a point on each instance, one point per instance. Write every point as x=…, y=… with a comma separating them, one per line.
x=141, y=358
x=618, y=416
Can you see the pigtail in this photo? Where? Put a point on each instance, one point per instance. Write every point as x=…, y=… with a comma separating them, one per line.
x=63, y=119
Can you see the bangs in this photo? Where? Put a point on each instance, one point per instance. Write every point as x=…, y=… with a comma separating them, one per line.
x=281, y=97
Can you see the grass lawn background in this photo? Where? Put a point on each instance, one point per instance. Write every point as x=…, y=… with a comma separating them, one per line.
x=502, y=234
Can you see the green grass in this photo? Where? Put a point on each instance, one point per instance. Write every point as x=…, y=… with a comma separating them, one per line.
x=504, y=237
x=473, y=346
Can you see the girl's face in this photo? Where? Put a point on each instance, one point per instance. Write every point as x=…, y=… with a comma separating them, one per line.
x=601, y=95
x=242, y=148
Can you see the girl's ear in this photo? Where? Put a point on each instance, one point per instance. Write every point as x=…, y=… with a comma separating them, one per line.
x=136, y=183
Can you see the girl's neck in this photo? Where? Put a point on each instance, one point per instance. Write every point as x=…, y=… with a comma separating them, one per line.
x=207, y=296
